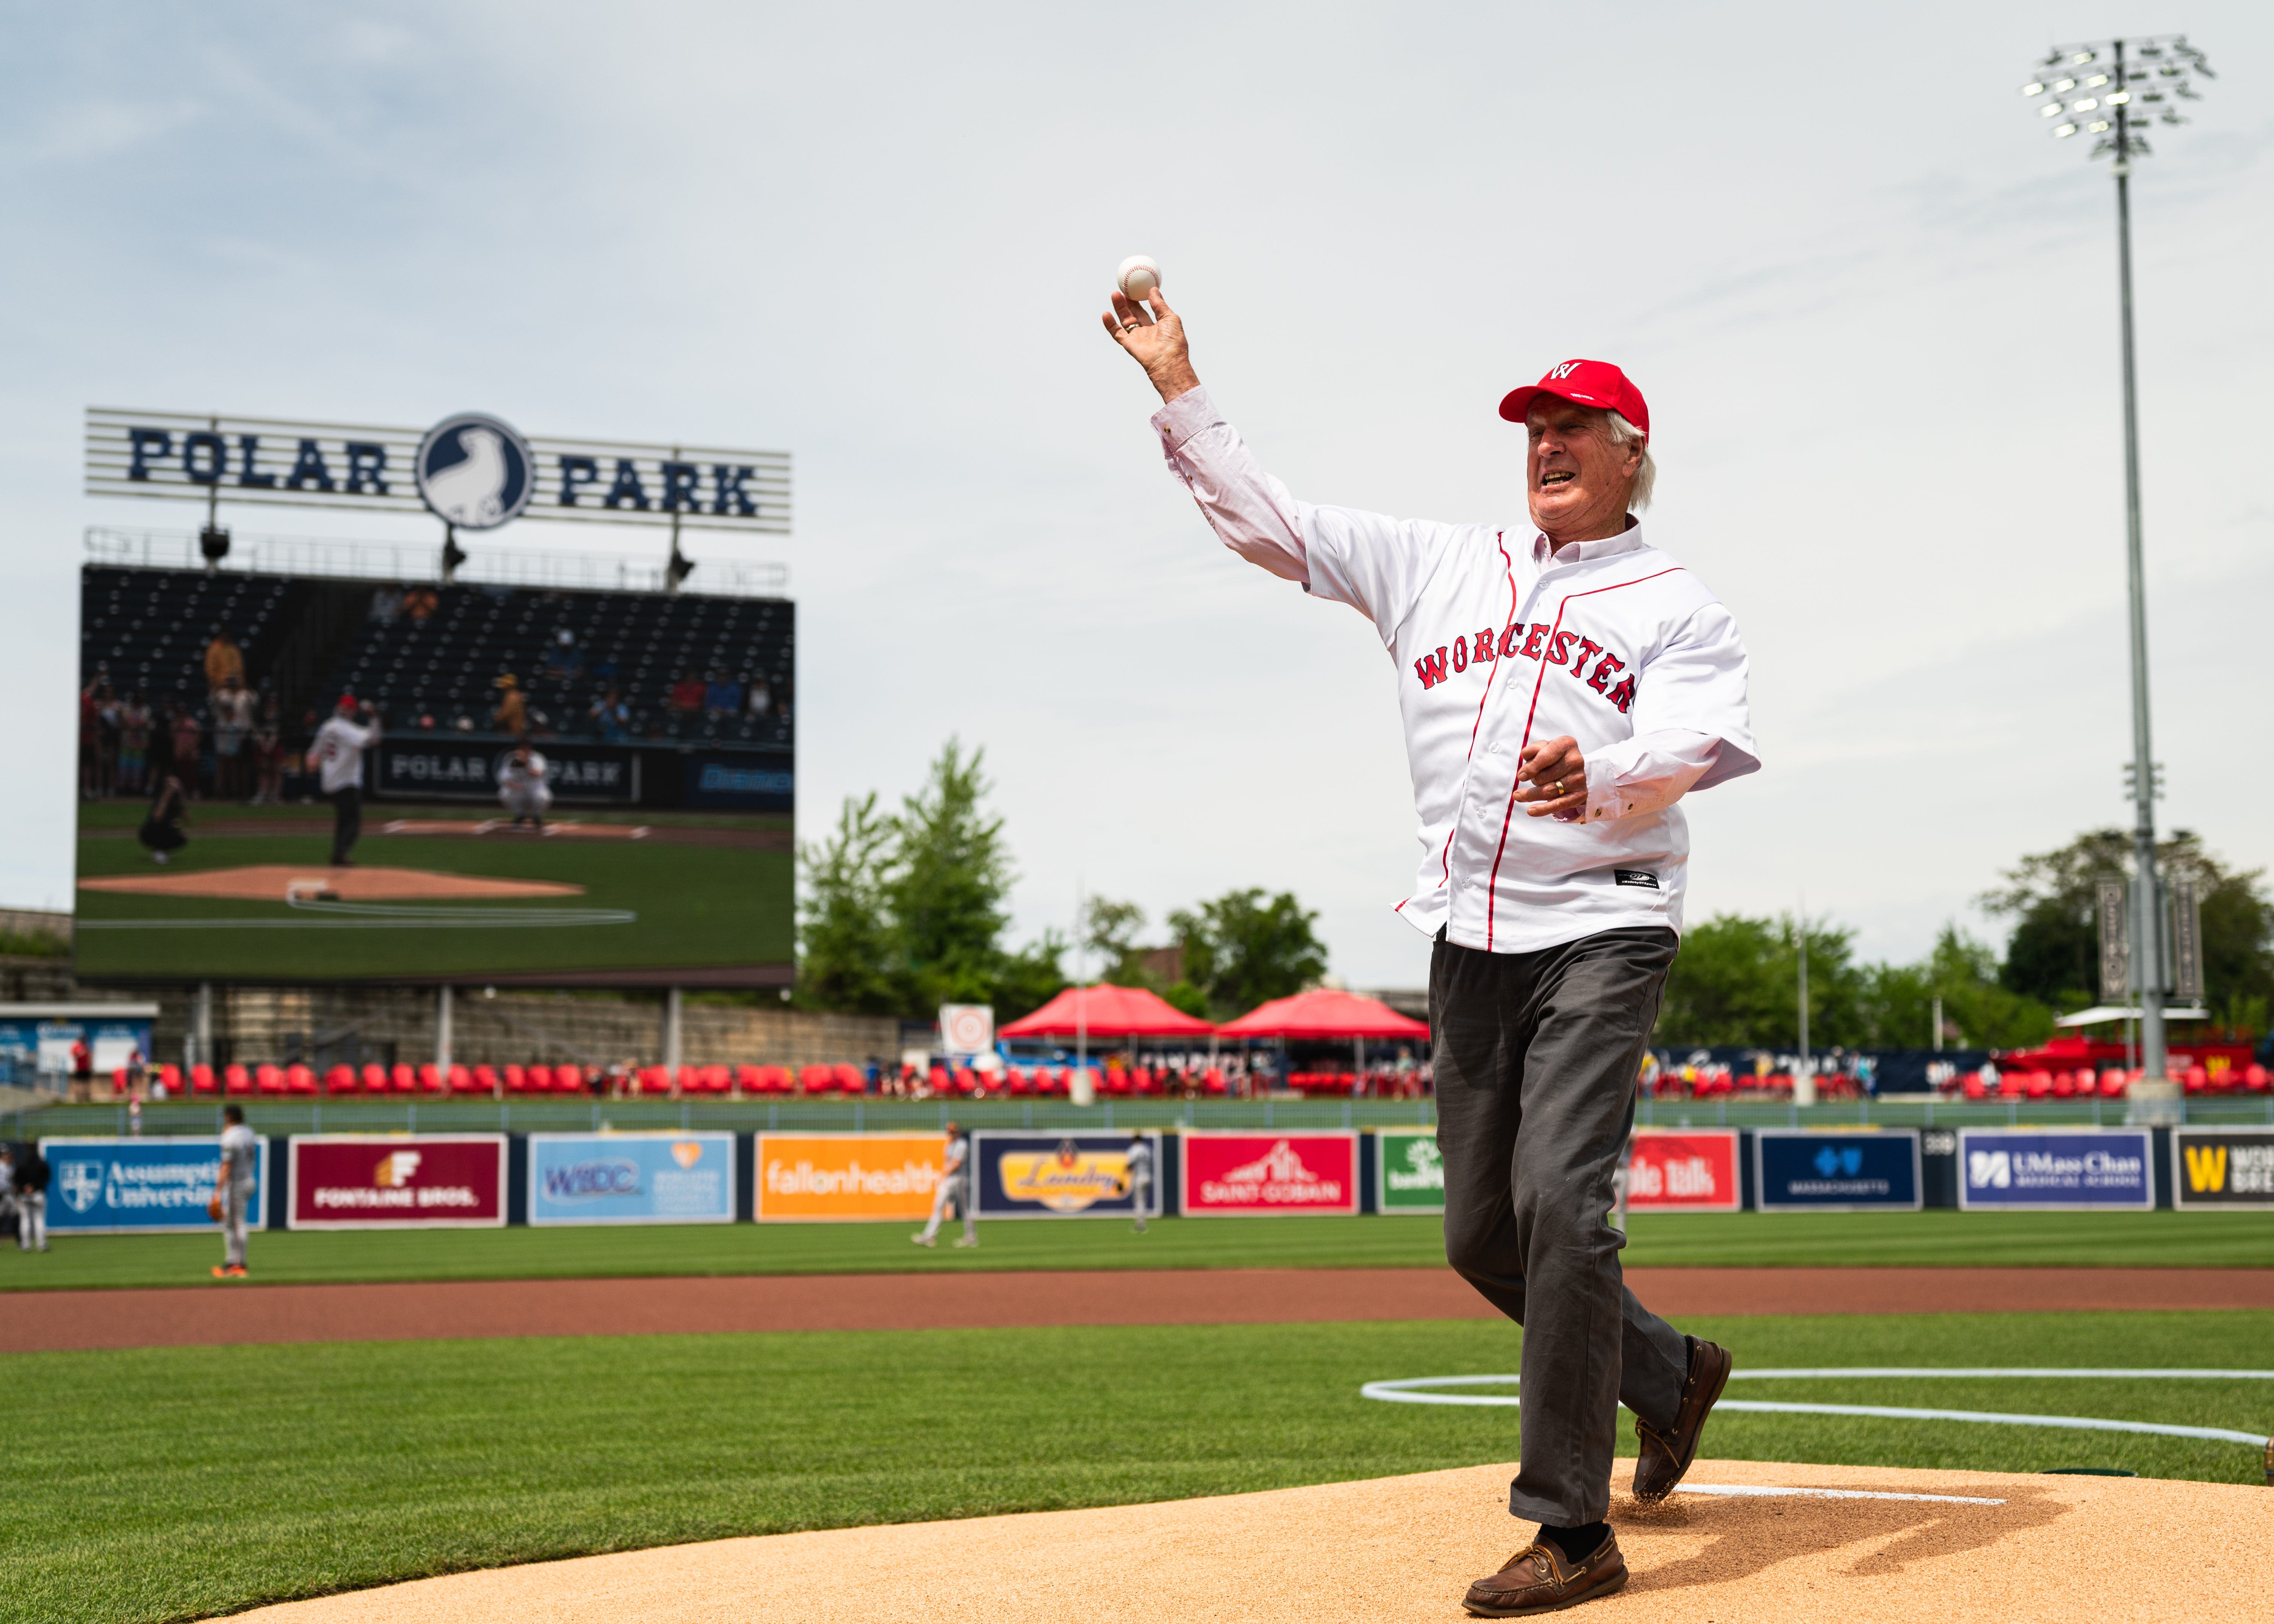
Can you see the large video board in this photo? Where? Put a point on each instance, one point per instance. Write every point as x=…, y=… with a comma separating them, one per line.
x=294, y=779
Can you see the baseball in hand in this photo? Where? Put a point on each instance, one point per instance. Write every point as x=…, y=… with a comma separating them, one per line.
x=1138, y=277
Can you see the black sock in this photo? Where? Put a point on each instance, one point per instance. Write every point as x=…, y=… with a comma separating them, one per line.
x=1577, y=1544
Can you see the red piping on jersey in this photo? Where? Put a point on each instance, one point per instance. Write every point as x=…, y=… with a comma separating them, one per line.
x=1515, y=603
x=1492, y=886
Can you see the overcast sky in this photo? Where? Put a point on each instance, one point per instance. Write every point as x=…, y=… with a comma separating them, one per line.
x=1871, y=303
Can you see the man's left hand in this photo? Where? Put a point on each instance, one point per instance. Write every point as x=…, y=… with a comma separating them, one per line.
x=1552, y=779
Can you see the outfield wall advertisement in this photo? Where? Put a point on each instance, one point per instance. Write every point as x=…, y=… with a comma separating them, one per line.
x=841, y=1178
x=152, y=1187
x=589, y=1178
x=1409, y=1174
x=1257, y=1175
x=1800, y=1170
x=353, y=1181
x=2219, y=1169
x=1685, y=1172
x=2010, y=1170
x=1062, y=1175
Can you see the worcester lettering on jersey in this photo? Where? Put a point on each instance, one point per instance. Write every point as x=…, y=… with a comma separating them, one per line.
x=1589, y=661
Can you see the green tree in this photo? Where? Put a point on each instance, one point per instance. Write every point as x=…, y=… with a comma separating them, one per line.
x=2053, y=897
x=1242, y=949
x=1030, y=978
x=845, y=950
x=1736, y=981
x=948, y=891
x=1110, y=932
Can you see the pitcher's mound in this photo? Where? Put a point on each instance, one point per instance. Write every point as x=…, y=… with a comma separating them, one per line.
x=2019, y=1550
x=275, y=882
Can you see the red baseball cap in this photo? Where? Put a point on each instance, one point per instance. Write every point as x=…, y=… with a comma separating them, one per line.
x=1583, y=383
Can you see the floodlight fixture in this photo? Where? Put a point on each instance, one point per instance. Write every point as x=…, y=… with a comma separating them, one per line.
x=2161, y=65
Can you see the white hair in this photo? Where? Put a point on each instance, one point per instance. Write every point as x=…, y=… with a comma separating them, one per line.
x=1620, y=431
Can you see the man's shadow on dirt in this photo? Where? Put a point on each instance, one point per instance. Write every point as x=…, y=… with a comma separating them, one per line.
x=1749, y=1534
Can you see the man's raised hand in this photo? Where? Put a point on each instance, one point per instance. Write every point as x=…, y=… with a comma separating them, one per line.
x=1154, y=337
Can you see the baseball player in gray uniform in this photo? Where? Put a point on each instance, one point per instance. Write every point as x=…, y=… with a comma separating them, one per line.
x=954, y=1190
x=1140, y=1177
x=1563, y=684
x=240, y=1158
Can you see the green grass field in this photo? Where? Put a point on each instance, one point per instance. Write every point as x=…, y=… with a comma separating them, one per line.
x=180, y=1482
x=696, y=905
x=2052, y=1240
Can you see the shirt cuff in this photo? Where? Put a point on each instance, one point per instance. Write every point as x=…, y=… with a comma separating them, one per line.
x=1604, y=801
x=1185, y=416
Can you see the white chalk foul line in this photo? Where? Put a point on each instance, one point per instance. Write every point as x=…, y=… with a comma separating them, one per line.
x=1420, y=1390
x=1750, y=1492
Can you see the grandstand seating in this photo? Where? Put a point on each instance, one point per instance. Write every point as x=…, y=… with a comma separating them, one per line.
x=446, y=665
x=147, y=629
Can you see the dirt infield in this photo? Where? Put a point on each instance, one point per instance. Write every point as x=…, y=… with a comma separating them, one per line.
x=217, y=1314
x=2019, y=1549
x=274, y=882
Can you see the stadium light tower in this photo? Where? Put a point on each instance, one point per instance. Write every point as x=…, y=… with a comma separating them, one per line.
x=2112, y=90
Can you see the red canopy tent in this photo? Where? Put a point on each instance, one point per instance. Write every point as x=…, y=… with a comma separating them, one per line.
x=1108, y=1012
x=1324, y=1013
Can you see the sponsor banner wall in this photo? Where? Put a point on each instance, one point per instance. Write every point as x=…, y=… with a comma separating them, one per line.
x=631, y=1178
x=2009, y=1169
x=1797, y=1170
x=2212, y=1168
x=355, y=1181
x=1253, y=1174
x=429, y=767
x=1061, y=1175
x=837, y=1177
x=1685, y=1172
x=1409, y=1175
x=154, y=1186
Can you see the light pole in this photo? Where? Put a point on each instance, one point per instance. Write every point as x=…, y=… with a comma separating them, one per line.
x=2111, y=90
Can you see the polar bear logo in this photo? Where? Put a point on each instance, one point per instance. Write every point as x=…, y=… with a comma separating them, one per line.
x=475, y=472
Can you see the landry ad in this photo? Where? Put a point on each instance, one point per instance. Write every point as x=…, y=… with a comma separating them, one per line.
x=1409, y=1174
x=2212, y=1168
x=1064, y=1175
x=1249, y=1175
x=108, y=1186
x=1685, y=1172
x=2002, y=1169
x=348, y=1181
x=832, y=1178
x=631, y=1178
x=1799, y=1170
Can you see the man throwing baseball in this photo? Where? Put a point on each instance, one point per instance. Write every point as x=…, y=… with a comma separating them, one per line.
x=1563, y=684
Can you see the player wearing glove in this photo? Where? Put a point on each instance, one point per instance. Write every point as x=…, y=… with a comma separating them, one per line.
x=1562, y=685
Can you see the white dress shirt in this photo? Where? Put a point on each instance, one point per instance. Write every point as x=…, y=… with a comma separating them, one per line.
x=1499, y=641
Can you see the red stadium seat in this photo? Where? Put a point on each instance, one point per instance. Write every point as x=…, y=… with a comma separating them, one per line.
x=402, y=1076
x=171, y=1077
x=536, y=1079
x=201, y=1079
x=655, y=1079
x=1016, y=1082
x=750, y=1079
x=269, y=1078
x=849, y=1078
x=2198, y=1079
x=814, y=1079
x=374, y=1078
x=688, y=1080
x=431, y=1078
x=462, y=1081
x=340, y=1079
x=486, y=1079
x=517, y=1080
x=718, y=1079
x=568, y=1080
x=237, y=1079
x=1212, y=1080
x=2112, y=1085
x=1970, y=1086
x=300, y=1079
x=2013, y=1083
x=2064, y=1085
x=937, y=1080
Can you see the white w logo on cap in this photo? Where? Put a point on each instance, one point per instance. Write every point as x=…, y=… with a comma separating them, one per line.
x=1563, y=369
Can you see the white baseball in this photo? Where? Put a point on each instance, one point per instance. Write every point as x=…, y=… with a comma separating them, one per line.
x=1138, y=275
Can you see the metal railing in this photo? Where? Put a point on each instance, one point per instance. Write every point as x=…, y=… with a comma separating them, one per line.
x=395, y=562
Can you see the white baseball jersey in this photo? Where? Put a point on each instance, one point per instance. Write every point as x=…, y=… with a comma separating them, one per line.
x=1499, y=641
x=338, y=750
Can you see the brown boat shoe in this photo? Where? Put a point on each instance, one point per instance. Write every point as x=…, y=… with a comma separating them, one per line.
x=1539, y=1579
x=1662, y=1458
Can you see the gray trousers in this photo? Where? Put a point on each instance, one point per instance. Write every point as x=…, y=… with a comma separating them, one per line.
x=233, y=1203
x=949, y=1193
x=32, y=1220
x=1536, y=1055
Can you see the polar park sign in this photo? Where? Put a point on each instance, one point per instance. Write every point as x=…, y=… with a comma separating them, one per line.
x=471, y=469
